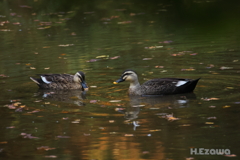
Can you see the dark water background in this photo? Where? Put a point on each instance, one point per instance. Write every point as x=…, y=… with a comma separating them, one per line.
x=184, y=39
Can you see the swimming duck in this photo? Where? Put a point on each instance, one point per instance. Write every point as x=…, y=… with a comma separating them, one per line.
x=162, y=86
x=62, y=81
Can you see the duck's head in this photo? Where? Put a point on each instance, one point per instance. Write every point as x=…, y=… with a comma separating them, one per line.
x=128, y=75
x=79, y=77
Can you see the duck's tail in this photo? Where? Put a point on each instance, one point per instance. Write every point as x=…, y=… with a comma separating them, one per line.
x=34, y=80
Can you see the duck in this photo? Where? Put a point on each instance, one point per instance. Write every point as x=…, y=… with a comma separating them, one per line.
x=160, y=86
x=62, y=81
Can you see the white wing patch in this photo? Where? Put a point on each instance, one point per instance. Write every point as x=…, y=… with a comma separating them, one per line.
x=45, y=80
x=180, y=83
x=182, y=101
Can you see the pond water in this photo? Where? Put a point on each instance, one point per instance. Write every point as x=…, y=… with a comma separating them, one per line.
x=157, y=39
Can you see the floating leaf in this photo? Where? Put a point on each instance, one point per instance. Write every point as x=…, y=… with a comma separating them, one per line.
x=11, y=106
x=10, y=127
x=111, y=121
x=25, y=135
x=209, y=99
x=93, y=101
x=155, y=130
x=25, y=6
x=63, y=136
x=34, y=111
x=4, y=142
x=46, y=148
x=76, y=121
x=124, y=22
x=102, y=56
x=93, y=60
x=209, y=122
x=119, y=109
x=193, y=54
x=139, y=105
x=223, y=67
x=65, y=45
x=185, y=125
x=16, y=104
x=212, y=118
x=146, y=59
x=73, y=34
x=2, y=75
x=50, y=156
x=166, y=42
x=170, y=117
x=159, y=66
x=230, y=155
x=188, y=69
x=116, y=57
x=5, y=30
x=153, y=47
x=145, y=152
x=212, y=106
x=227, y=106
x=115, y=101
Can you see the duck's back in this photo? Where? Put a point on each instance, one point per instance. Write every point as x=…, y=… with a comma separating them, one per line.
x=58, y=81
x=165, y=86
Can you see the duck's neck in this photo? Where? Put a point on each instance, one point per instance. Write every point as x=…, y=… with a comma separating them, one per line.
x=135, y=88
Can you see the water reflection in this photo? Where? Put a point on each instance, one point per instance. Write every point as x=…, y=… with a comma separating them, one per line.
x=68, y=96
x=131, y=112
x=167, y=101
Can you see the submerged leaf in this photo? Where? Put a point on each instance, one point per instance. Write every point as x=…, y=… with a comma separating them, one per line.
x=25, y=135
x=46, y=148
x=50, y=156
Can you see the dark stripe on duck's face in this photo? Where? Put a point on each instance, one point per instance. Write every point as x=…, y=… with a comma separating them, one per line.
x=123, y=77
x=81, y=74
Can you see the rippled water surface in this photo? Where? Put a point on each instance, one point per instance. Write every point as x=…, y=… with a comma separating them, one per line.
x=183, y=39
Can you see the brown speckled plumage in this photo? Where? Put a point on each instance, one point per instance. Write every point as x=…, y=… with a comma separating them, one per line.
x=61, y=81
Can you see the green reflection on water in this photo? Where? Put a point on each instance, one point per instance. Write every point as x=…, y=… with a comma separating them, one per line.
x=187, y=39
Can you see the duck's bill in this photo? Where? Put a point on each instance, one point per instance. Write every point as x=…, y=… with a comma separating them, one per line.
x=118, y=81
x=85, y=86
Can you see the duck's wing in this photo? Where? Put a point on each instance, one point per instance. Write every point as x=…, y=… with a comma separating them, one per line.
x=57, y=78
x=165, y=86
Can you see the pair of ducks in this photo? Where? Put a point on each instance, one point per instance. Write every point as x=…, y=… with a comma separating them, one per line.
x=162, y=86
